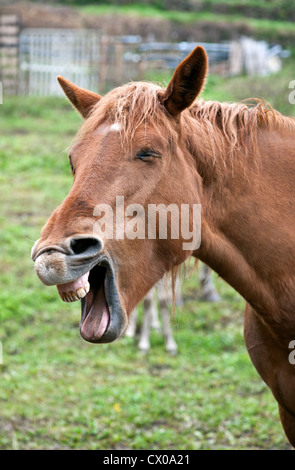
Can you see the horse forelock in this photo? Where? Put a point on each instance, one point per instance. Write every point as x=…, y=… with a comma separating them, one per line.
x=130, y=106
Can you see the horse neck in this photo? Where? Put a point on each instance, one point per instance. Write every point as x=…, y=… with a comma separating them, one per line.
x=238, y=210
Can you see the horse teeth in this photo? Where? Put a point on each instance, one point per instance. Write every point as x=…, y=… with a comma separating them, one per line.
x=69, y=297
x=74, y=296
x=81, y=293
x=65, y=297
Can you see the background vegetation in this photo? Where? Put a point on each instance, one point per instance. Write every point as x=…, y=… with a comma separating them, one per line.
x=272, y=9
x=182, y=20
x=59, y=392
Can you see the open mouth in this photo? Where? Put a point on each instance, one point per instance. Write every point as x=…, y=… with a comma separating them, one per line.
x=102, y=317
x=95, y=311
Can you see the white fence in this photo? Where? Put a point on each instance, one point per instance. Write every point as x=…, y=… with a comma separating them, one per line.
x=46, y=53
x=100, y=62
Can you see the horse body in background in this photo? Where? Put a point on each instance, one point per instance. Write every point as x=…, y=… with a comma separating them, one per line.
x=158, y=303
x=151, y=146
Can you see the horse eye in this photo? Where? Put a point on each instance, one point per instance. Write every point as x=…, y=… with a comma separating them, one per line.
x=71, y=165
x=148, y=155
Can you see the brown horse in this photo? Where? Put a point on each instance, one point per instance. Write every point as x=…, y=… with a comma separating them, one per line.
x=162, y=146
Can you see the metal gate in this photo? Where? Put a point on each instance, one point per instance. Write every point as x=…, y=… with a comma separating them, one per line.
x=46, y=53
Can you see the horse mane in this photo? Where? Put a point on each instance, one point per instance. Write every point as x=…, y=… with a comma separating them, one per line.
x=221, y=126
x=230, y=127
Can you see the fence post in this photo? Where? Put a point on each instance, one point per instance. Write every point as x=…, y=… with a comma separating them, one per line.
x=102, y=76
x=235, y=58
x=9, y=53
x=119, y=62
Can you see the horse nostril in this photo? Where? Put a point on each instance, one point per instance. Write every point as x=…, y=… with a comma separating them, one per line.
x=87, y=245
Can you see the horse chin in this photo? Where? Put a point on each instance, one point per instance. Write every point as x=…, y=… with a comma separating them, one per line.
x=103, y=319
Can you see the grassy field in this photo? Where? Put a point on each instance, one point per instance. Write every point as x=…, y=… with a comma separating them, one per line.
x=262, y=27
x=59, y=392
x=181, y=16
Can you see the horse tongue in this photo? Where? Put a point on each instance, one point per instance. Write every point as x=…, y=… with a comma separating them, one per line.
x=95, y=316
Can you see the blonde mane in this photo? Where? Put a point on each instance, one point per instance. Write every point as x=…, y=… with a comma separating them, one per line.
x=234, y=125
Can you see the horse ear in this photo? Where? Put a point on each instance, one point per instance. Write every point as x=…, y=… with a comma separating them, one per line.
x=187, y=82
x=82, y=99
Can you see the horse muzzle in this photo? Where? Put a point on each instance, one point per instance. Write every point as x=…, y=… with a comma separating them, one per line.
x=81, y=270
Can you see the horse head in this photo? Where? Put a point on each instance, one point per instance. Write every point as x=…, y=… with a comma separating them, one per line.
x=129, y=162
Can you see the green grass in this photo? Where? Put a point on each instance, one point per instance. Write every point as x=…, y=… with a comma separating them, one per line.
x=141, y=10
x=59, y=392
